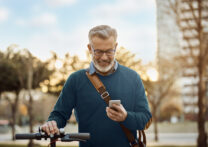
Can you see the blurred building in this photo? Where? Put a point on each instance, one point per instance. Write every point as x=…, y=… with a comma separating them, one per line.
x=168, y=41
x=177, y=36
x=168, y=33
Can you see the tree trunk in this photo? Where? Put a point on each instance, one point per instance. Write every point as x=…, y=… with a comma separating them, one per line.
x=13, y=121
x=30, y=110
x=14, y=107
x=155, y=124
x=29, y=87
x=202, y=136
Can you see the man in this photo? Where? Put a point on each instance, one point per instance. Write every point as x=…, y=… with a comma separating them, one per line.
x=92, y=113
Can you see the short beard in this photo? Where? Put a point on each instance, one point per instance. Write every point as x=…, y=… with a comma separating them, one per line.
x=103, y=69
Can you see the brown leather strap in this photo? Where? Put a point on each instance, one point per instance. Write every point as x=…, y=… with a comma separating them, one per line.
x=105, y=95
x=99, y=87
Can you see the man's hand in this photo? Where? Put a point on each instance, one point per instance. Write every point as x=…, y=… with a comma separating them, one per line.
x=116, y=113
x=50, y=127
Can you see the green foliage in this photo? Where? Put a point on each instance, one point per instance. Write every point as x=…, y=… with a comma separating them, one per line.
x=14, y=70
x=40, y=72
x=128, y=59
x=69, y=65
x=8, y=76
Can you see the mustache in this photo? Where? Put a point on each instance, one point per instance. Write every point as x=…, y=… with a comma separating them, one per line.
x=105, y=61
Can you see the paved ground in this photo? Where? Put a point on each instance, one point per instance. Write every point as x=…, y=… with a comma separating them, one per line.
x=187, y=138
x=164, y=139
x=174, y=138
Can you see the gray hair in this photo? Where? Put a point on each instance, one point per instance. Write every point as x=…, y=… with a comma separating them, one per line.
x=103, y=32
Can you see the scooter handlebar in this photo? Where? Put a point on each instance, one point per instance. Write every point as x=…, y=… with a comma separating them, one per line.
x=28, y=136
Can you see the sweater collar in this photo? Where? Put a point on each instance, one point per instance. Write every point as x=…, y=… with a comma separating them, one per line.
x=92, y=69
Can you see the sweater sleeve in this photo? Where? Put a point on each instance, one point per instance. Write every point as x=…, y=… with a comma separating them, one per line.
x=66, y=102
x=141, y=117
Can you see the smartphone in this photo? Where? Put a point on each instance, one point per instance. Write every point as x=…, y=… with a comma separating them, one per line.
x=111, y=102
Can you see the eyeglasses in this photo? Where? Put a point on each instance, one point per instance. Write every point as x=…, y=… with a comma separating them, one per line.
x=98, y=52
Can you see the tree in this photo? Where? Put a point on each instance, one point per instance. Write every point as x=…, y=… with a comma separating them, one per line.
x=9, y=83
x=158, y=91
x=67, y=65
x=25, y=72
x=37, y=71
x=127, y=58
x=191, y=17
x=11, y=64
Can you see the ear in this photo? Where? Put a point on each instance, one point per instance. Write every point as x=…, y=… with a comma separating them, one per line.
x=89, y=48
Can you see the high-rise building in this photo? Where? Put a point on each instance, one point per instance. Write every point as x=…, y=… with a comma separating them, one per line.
x=178, y=35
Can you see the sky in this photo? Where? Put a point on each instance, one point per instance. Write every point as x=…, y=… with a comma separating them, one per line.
x=62, y=26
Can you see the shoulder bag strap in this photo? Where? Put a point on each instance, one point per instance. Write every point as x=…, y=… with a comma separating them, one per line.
x=106, y=97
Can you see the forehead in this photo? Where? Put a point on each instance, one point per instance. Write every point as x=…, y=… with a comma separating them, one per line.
x=103, y=43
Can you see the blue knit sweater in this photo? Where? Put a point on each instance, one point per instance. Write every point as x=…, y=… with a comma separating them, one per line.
x=90, y=109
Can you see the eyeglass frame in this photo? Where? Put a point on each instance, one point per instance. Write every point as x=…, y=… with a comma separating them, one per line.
x=103, y=52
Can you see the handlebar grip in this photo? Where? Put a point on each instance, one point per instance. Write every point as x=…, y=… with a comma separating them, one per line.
x=26, y=136
x=83, y=136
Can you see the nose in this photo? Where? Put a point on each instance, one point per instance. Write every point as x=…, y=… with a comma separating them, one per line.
x=104, y=56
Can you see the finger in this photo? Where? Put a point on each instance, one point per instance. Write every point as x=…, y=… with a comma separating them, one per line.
x=54, y=124
x=120, y=116
x=117, y=107
x=115, y=115
x=51, y=129
x=114, y=118
x=110, y=115
x=107, y=111
x=113, y=112
x=47, y=129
